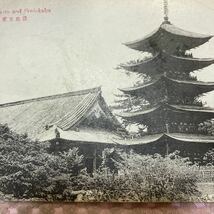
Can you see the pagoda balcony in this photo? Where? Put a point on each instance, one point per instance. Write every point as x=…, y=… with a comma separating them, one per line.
x=163, y=62
x=174, y=91
x=176, y=127
x=163, y=113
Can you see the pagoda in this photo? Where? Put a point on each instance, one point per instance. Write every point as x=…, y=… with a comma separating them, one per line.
x=171, y=111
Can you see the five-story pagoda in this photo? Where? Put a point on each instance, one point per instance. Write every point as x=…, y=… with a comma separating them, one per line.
x=171, y=111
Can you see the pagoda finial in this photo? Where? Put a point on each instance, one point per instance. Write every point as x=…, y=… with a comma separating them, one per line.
x=165, y=10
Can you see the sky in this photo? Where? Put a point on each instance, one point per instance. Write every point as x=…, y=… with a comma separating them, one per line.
x=79, y=43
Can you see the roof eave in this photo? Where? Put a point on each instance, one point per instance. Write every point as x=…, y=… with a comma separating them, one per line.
x=171, y=136
x=144, y=43
x=182, y=109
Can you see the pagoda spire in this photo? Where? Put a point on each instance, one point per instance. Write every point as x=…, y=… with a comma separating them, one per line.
x=166, y=10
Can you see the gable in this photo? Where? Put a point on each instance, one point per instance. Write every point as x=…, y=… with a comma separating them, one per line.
x=97, y=118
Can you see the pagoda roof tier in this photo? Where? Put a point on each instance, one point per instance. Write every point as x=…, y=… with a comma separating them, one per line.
x=186, y=87
x=169, y=38
x=163, y=61
x=164, y=112
x=179, y=137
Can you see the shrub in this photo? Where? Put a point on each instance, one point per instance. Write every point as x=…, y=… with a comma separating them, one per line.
x=28, y=171
x=209, y=157
x=145, y=178
x=207, y=127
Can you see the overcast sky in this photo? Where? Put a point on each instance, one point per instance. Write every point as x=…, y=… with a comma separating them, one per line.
x=79, y=43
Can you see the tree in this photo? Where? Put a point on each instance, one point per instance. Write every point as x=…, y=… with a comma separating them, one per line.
x=145, y=178
x=207, y=127
x=209, y=157
x=27, y=170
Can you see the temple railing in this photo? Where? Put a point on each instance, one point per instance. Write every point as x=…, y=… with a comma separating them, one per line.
x=205, y=174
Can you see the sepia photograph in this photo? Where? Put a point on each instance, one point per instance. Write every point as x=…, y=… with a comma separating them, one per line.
x=107, y=101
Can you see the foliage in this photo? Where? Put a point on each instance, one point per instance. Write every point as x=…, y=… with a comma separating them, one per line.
x=145, y=178
x=207, y=127
x=209, y=157
x=27, y=170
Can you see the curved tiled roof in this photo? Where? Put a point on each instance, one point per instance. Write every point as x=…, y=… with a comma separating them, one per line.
x=86, y=135
x=168, y=37
x=168, y=62
x=202, y=112
x=179, y=137
x=63, y=110
x=182, y=85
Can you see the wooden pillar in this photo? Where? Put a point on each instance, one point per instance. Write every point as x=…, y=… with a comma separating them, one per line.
x=167, y=146
x=95, y=159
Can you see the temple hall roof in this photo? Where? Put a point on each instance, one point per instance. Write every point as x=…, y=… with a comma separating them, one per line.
x=65, y=111
x=86, y=135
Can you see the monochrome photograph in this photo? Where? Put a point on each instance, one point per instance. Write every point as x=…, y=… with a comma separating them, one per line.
x=107, y=101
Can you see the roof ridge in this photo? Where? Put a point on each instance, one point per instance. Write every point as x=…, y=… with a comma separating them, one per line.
x=83, y=105
x=85, y=109
x=70, y=112
x=71, y=93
